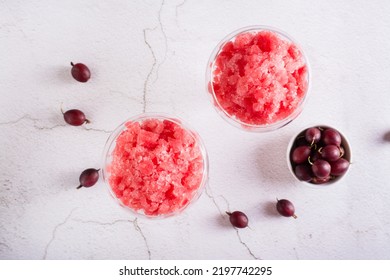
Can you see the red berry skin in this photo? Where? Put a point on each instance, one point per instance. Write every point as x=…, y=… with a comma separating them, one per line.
x=321, y=168
x=331, y=137
x=80, y=72
x=238, y=219
x=331, y=152
x=300, y=154
x=313, y=135
x=339, y=167
x=303, y=172
x=88, y=178
x=285, y=208
x=75, y=117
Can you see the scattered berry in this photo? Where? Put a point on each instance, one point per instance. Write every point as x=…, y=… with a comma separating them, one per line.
x=285, y=208
x=75, y=117
x=80, y=72
x=88, y=178
x=238, y=219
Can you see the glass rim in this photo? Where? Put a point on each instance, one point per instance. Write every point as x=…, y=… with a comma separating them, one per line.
x=232, y=119
x=111, y=142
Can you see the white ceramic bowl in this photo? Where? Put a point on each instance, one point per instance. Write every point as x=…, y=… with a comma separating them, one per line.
x=347, y=155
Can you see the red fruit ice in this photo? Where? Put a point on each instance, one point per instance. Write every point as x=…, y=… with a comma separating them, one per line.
x=259, y=78
x=156, y=167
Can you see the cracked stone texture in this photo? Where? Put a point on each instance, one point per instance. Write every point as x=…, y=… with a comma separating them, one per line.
x=150, y=56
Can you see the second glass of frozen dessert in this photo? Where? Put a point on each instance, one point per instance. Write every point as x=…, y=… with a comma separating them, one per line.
x=258, y=78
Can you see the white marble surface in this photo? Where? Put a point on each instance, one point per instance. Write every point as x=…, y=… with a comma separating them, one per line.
x=151, y=56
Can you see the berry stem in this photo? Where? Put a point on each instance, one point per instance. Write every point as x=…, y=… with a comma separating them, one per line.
x=79, y=187
x=71, y=63
x=341, y=152
x=294, y=216
x=308, y=159
x=87, y=121
x=228, y=213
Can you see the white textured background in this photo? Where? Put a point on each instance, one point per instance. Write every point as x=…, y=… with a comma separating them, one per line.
x=157, y=51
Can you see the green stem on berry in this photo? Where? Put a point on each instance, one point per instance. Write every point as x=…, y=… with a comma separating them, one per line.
x=308, y=159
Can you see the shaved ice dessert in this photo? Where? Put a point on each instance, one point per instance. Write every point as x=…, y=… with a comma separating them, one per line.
x=155, y=166
x=258, y=78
